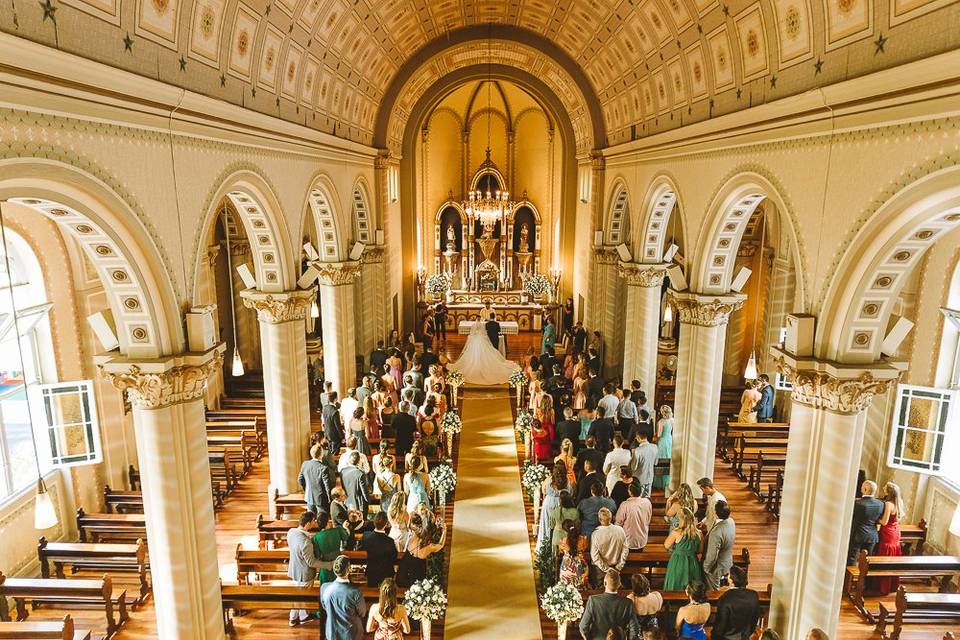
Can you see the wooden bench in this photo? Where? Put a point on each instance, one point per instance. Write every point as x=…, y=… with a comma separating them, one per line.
x=747, y=450
x=59, y=592
x=122, y=501
x=904, y=567
x=95, y=556
x=253, y=428
x=775, y=495
x=273, y=532
x=728, y=432
x=913, y=537
x=62, y=630
x=930, y=608
x=652, y=562
x=111, y=527
x=763, y=471
x=133, y=482
x=272, y=564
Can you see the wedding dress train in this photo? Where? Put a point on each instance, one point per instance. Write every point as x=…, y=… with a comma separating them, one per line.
x=481, y=363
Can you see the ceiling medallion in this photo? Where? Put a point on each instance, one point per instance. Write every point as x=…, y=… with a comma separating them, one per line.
x=243, y=42
x=206, y=22
x=792, y=22
x=161, y=6
x=753, y=43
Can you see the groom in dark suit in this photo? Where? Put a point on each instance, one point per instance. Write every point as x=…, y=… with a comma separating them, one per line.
x=863, y=532
x=493, y=332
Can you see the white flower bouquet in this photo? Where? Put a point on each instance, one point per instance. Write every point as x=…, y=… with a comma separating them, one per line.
x=518, y=379
x=425, y=600
x=437, y=284
x=443, y=479
x=451, y=422
x=562, y=603
x=537, y=285
x=533, y=476
x=524, y=423
x=455, y=379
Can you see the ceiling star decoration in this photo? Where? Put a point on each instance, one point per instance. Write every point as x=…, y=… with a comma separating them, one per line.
x=817, y=66
x=128, y=43
x=880, y=44
x=49, y=11
x=183, y=63
x=773, y=82
x=223, y=80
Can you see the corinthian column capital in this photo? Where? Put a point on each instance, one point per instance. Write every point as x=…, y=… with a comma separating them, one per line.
x=642, y=275
x=274, y=308
x=705, y=311
x=155, y=384
x=338, y=273
x=606, y=255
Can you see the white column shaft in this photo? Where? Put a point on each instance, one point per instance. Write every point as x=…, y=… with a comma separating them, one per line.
x=339, y=342
x=641, y=338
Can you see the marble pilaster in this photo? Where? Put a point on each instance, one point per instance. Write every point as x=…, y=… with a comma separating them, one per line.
x=642, y=322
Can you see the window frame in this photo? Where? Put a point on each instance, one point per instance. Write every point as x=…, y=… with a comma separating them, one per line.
x=943, y=439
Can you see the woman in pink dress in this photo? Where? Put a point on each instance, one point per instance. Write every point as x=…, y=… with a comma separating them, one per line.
x=579, y=392
x=395, y=362
x=889, y=542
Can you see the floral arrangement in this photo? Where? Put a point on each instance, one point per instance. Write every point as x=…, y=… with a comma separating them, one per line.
x=537, y=285
x=455, y=379
x=524, y=422
x=437, y=284
x=425, y=600
x=451, y=422
x=518, y=379
x=562, y=603
x=443, y=479
x=533, y=476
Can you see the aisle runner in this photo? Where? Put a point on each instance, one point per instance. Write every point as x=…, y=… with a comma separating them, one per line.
x=491, y=589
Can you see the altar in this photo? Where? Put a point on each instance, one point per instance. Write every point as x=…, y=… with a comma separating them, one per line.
x=507, y=328
x=511, y=308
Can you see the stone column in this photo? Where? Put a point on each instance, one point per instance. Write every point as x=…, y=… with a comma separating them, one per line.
x=337, y=315
x=642, y=323
x=371, y=307
x=607, y=309
x=283, y=340
x=168, y=417
x=826, y=438
x=703, y=321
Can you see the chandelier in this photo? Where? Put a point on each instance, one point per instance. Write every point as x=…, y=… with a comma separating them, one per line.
x=489, y=208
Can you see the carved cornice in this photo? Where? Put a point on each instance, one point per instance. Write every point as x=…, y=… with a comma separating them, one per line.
x=641, y=275
x=384, y=159
x=606, y=255
x=212, y=252
x=705, y=311
x=335, y=274
x=373, y=254
x=276, y=308
x=597, y=160
x=148, y=389
x=826, y=390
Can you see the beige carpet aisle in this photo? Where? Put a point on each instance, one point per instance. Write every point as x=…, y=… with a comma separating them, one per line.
x=491, y=589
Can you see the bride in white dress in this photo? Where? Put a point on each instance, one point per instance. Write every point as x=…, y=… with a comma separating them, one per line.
x=481, y=363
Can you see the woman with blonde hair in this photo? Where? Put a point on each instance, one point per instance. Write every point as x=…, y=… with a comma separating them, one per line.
x=748, y=400
x=681, y=499
x=664, y=443
x=387, y=618
x=888, y=543
x=568, y=458
x=399, y=519
x=416, y=450
x=683, y=543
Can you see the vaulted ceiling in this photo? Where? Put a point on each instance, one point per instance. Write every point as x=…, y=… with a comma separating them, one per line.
x=639, y=66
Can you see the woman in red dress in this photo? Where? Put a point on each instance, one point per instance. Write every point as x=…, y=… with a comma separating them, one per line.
x=542, y=433
x=889, y=542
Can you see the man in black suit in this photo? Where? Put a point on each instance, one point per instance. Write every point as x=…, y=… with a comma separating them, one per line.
x=591, y=475
x=493, y=332
x=378, y=358
x=607, y=610
x=579, y=338
x=602, y=430
x=428, y=358
x=332, y=427
x=404, y=426
x=356, y=485
x=589, y=452
x=568, y=428
x=866, y=512
x=595, y=385
x=381, y=551
x=738, y=610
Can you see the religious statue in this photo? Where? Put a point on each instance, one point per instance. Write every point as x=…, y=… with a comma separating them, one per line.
x=487, y=229
x=524, y=237
x=451, y=239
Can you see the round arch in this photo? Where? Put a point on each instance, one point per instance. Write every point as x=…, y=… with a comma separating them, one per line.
x=257, y=208
x=364, y=220
x=617, y=225
x=875, y=265
x=660, y=203
x=137, y=284
x=323, y=203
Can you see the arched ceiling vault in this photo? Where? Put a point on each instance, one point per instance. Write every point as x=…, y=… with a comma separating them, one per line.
x=623, y=68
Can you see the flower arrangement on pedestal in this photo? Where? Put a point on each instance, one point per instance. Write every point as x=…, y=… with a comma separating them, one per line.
x=455, y=380
x=563, y=604
x=443, y=479
x=437, y=284
x=518, y=380
x=537, y=285
x=532, y=480
x=450, y=425
x=524, y=423
x=425, y=601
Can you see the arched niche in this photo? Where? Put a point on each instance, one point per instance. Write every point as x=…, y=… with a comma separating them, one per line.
x=617, y=225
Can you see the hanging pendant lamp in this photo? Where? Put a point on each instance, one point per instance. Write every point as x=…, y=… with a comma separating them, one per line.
x=237, y=368
x=668, y=313
x=314, y=310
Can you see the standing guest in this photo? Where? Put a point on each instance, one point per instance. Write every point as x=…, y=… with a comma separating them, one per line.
x=365, y=390
x=413, y=565
x=683, y=544
x=590, y=508
x=617, y=458
x=664, y=444
x=303, y=565
x=609, y=403
x=644, y=461
x=579, y=386
x=387, y=619
x=328, y=540
x=549, y=336
x=376, y=462
x=358, y=431
x=338, y=506
x=332, y=427
x=416, y=451
x=867, y=511
x=569, y=461
x=738, y=609
x=568, y=428
x=415, y=372
x=427, y=332
x=416, y=484
x=586, y=416
x=378, y=357
x=552, y=488
x=646, y=603
x=404, y=426
x=411, y=391
x=634, y=515
x=595, y=383
x=620, y=491
x=748, y=400
x=769, y=634
x=607, y=610
x=348, y=406
x=388, y=384
x=579, y=338
x=636, y=391
x=590, y=476
x=343, y=604
x=387, y=413
x=356, y=484
x=311, y=479
x=591, y=453
x=542, y=433
x=440, y=322
x=679, y=500
x=718, y=555
x=602, y=428
x=565, y=510
x=399, y=519
x=381, y=551
x=764, y=407
x=387, y=480
x=574, y=566
x=888, y=542
x=428, y=358
x=713, y=497
x=692, y=616
x=608, y=546
x=351, y=447
x=327, y=390
x=395, y=362
x=627, y=414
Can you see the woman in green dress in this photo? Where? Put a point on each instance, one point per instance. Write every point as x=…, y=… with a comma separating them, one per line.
x=328, y=543
x=683, y=544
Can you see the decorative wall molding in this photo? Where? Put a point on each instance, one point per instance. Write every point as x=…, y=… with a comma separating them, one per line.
x=705, y=311
x=826, y=390
x=149, y=389
x=641, y=275
x=335, y=274
x=606, y=255
x=277, y=308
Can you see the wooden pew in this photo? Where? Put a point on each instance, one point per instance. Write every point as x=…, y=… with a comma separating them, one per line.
x=763, y=471
x=62, y=630
x=775, y=495
x=122, y=501
x=111, y=527
x=913, y=537
x=905, y=567
x=729, y=431
x=272, y=564
x=273, y=532
x=95, y=556
x=58, y=592
x=929, y=608
x=133, y=482
x=652, y=562
x=747, y=450
x=254, y=428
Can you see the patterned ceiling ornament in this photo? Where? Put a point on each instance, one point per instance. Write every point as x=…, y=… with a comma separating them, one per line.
x=640, y=275
x=372, y=255
x=823, y=390
x=335, y=274
x=158, y=390
x=606, y=255
x=277, y=308
x=705, y=311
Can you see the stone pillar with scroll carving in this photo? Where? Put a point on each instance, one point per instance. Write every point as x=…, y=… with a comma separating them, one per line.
x=827, y=423
x=168, y=417
x=703, y=328
x=337, y=315
x=371, y=307
x=283, y=341
x=644, y=283
x=606, y=309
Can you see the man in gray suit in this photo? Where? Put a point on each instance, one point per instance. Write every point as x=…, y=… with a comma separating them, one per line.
x=303, y=564
x=343, y=604
x=316, y=481
x=356, y=485
x=643, y=460
x=607, y=610
x=718, y=557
